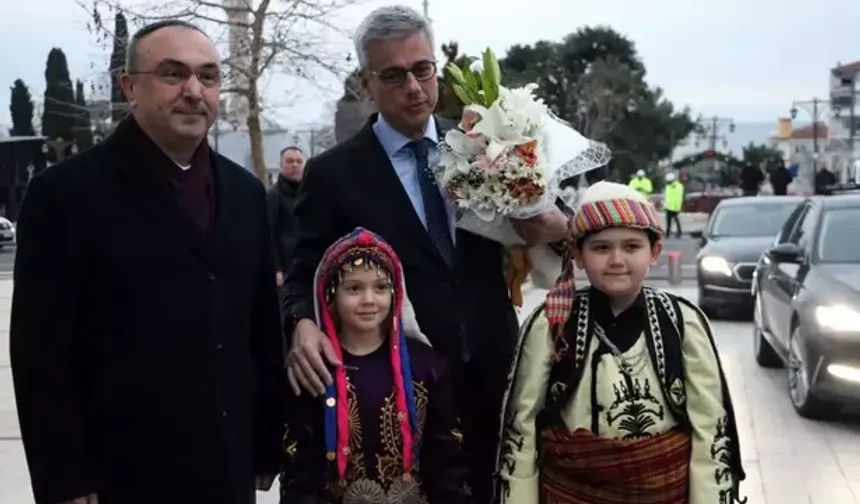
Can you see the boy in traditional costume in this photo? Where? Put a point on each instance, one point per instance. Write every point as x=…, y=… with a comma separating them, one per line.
x=617, y=394
x=391, y=400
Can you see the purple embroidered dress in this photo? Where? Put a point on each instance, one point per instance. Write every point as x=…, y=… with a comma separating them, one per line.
x=348, y=446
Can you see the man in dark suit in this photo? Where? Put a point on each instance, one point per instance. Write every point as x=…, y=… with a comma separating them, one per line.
x=145, y=338
x=380, y=179
x=282, y=198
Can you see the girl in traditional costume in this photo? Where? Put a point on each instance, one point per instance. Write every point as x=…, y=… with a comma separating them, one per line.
x=386, y=430
x=617, y=394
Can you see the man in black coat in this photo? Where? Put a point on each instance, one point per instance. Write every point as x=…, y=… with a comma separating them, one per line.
x=282, y=199
x=780, y=178
x=380, y=180
x=751, y=179
x=145, y=337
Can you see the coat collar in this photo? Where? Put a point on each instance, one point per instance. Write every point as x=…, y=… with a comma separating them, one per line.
x=133, y=154
x=393, y=141
x=380, y=178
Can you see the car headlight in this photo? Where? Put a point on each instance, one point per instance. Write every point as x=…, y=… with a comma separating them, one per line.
x=714, y=264
x=838, y=318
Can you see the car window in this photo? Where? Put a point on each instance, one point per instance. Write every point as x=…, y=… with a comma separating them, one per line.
x=794, y=235
x=790, y=222
x=807, y=229
x=838, y=240
x=750, y=220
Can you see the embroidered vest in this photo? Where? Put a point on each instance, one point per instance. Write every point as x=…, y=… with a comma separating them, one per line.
x=664, y=332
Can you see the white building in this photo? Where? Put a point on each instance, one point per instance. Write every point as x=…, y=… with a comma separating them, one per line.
x=844, y=85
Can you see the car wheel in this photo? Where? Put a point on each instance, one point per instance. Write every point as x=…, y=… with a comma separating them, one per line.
x=802, y=397
x=765, y=355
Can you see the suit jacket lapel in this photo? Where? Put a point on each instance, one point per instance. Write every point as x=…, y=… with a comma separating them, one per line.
x=382, y=179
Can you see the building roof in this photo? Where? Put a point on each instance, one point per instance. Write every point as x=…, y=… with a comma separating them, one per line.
x=848, y=67
x=808, y=132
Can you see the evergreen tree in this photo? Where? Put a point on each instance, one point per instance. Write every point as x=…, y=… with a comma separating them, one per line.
x=58, y=115
x=21, y=109
x=83, y=119
x=117, y=64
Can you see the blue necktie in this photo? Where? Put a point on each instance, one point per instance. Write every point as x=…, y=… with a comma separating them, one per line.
x=434, y=206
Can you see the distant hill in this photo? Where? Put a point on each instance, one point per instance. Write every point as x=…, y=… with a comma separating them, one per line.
x=745, y=132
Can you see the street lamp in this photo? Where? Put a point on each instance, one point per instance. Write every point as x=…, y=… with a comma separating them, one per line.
x=816, y=111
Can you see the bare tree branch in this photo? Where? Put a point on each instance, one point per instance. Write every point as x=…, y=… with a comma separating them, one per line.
x=264, y=37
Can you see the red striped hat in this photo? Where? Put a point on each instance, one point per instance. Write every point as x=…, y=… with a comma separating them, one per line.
x=604, y=205
x=607, y=204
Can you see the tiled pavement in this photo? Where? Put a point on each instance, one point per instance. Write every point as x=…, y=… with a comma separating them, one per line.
x=788, y=460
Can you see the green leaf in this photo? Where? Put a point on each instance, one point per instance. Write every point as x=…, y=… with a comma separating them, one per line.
x=462, y=94
x=455, y=73
x=472, y=86
x=490, y=76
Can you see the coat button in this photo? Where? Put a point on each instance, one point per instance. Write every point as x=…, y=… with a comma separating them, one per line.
x=211, y=276
x=219, y=346
x=223, y=413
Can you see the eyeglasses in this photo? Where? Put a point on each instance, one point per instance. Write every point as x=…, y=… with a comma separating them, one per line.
x=396, y=76
x=175, y=73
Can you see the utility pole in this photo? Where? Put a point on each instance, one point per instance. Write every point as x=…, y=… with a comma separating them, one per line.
x=426, y=4
x=710, y=131
x=816, y=107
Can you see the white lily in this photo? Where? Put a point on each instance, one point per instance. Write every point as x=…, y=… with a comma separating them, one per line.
x=464, y=145
x=500, y=128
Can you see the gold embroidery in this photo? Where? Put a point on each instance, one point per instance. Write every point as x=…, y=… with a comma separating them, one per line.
x=366, y=491
x=458, y=435
x=391, y=488
x=389, y=463
x=356, y=453
x=290, y=444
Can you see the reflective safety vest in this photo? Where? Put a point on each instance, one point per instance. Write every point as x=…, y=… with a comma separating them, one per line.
x=673, y=197
x=641, y=184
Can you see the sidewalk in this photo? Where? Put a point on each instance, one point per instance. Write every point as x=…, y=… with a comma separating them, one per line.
x=14, y=478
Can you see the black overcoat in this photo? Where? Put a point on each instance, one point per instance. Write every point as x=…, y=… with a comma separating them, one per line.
x=146, y=353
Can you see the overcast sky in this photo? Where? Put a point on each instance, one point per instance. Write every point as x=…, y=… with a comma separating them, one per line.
x=746, y=59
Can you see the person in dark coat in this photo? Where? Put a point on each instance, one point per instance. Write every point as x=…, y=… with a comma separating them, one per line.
x=780, y=178
x=282, y=198
x=751, y=179
x=379, y=180
x=824, y=179
x=145, y=338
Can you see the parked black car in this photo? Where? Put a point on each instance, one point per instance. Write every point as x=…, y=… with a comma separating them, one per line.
x=736, y=235
x=807, y=304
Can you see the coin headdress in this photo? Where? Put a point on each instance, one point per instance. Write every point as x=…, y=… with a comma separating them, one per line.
x=364, y=249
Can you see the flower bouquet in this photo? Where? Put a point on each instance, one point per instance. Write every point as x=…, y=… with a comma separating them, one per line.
x=507, y=158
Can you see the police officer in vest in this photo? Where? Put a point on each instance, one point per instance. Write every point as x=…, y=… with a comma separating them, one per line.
x=641, y=183
x=673, y=202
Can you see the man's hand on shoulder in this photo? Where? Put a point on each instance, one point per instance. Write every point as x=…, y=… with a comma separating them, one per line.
x=306, y=366
x=548, y=227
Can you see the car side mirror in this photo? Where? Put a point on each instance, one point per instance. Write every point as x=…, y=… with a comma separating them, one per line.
x=696, y=234
x=786, y=253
